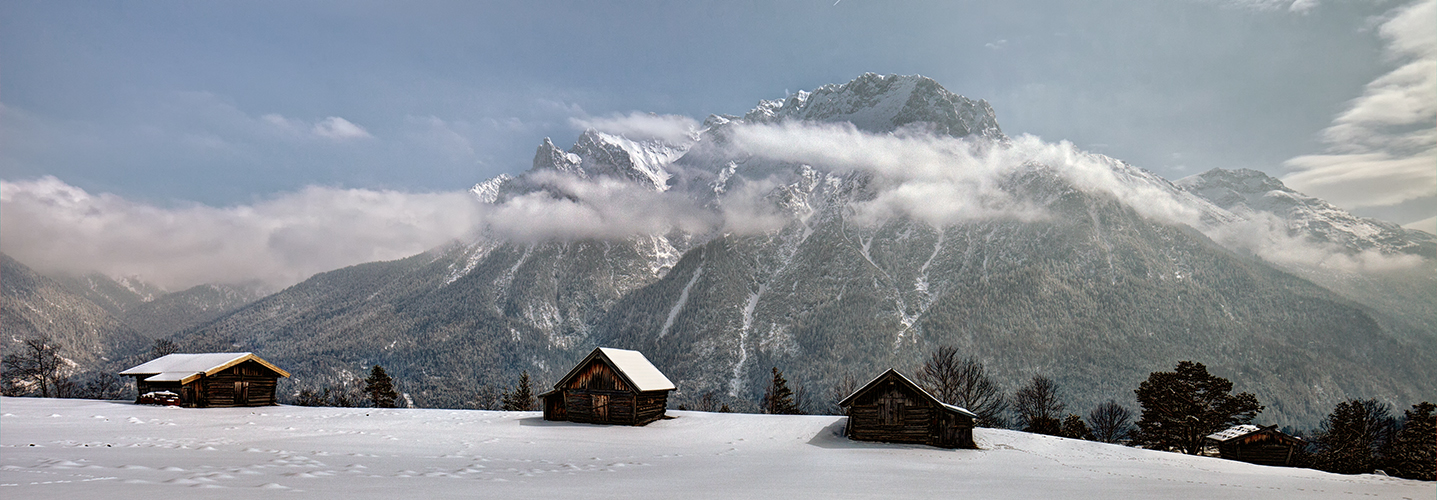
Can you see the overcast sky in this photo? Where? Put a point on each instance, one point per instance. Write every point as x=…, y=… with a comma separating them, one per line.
x=226, y=107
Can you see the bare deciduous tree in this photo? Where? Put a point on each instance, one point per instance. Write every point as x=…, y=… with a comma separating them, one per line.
x=37, y=364
x=1038, y=407
x=1110, y=422
x=965, y=384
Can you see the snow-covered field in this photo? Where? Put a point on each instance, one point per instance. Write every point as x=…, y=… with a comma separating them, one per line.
x=79, y=449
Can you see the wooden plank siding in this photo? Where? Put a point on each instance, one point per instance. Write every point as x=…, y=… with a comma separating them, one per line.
x=596, y=394
x=890, y=409
x=246, y=384
x=1265, y=447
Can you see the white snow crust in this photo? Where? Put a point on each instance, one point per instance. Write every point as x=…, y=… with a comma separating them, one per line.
x=644, y=375
x=116, y=450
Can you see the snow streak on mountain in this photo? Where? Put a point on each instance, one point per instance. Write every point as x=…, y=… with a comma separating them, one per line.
x=854, y=228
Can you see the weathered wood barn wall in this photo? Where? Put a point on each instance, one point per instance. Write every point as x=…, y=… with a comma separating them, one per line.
x=893, y=409
x=610, y=386
x=210, y=379
x=1257, y=445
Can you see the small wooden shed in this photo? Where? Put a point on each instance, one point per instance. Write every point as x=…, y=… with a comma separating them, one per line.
x=610, y=386
x=893, y=409
x=1257, y=445
x=211, y=379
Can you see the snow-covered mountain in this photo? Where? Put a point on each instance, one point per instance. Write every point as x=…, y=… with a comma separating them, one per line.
x=34, y=306
x=855, y=228
x=1251, y=194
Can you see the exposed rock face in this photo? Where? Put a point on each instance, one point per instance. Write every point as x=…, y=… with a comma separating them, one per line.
x=1096, y=293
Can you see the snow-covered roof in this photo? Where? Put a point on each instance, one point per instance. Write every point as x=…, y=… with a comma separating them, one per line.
x=631, y=365
x=183, y=368
x=1234, y=432
x=846, y=401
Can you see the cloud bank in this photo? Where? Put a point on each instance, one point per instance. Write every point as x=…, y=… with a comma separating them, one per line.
x=53, y=226
x=1383, y=147
x=282, y=240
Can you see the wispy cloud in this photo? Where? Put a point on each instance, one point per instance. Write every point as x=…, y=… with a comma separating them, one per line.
x=338, y=128
x=1297, y=6
x=54, y=226
x=1383, y=147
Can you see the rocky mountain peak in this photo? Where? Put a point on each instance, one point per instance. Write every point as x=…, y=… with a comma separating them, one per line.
x=885, y=103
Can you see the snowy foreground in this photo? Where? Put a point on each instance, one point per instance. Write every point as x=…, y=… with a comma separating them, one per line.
x=76, y=449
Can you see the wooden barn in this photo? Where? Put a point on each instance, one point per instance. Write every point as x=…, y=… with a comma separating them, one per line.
x=610, y=386
x=1258, y=445
x=210, y=380
x=893, y=409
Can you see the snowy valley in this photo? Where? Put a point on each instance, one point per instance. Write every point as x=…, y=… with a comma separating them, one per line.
x=92, y=449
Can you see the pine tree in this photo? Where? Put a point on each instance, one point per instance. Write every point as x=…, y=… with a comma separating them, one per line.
x=778, y=398
x=380, y=388
x=1412, y=452
x=1073, y=427
x=1183, y=406
x=522, y=397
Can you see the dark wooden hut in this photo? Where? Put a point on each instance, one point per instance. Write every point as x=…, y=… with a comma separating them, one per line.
x=610, y=386
x=210, y=379
x=1258, y=445
x=893, y=409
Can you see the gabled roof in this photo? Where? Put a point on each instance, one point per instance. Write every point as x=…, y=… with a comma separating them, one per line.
x=631, y=365
x=849, y=400
x=184, y=368
x=1234, y=432
x=1244, y=430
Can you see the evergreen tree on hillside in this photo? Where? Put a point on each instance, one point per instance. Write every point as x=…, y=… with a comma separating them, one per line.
x=1412, y=453
x=1183, y=406
x=778, y=398
x=380, y=388
x=1075, y=428
x=522, y=397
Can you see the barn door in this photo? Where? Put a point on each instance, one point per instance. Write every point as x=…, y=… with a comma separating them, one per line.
x=601, y=407
x=890, y=409
x=241, y=392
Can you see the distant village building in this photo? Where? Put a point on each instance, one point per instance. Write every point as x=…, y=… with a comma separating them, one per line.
x=209, y=380
x=1258, y=445
x=610, y=386
x=893, y=409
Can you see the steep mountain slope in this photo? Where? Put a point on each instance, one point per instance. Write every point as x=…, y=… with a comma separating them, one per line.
x=1381, y=265
x=1060, y=263
x=114, y=295
x=176, y=311
x=87, y=335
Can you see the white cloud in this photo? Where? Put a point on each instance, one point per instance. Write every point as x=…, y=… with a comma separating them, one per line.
x=573, y=208
x=54, y=226
x=1297, y=6
x=1383, y=148
x=338, y=128
x=943, y=180
x=674, y=129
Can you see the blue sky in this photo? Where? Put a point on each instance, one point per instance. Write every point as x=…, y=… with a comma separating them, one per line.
x=167, y=104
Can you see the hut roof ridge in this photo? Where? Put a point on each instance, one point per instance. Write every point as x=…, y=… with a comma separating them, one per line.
x=846, y=401
x=185, y=367
x=631, y=365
